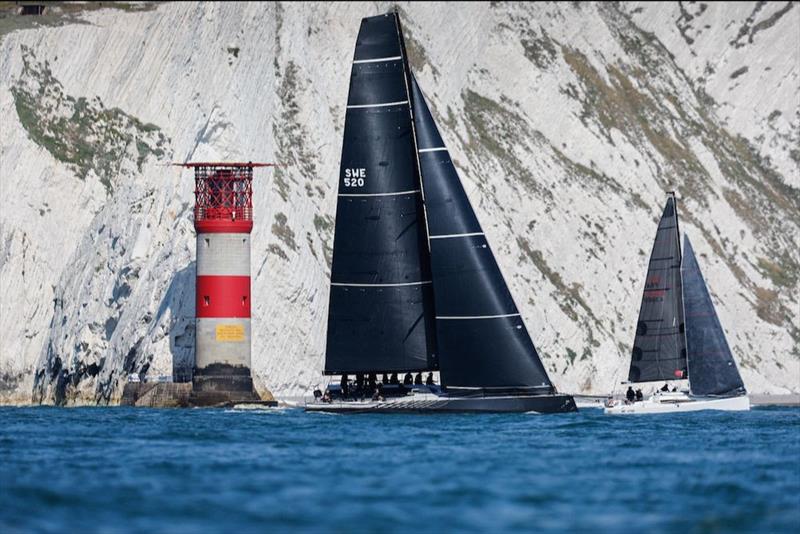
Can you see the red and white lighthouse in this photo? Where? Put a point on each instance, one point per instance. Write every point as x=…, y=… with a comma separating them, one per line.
x=223, y=220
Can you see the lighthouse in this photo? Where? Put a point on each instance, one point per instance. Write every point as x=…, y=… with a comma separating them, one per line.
x=223, y=220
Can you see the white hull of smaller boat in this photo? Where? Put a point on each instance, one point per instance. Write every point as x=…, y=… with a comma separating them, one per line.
x=679, y=403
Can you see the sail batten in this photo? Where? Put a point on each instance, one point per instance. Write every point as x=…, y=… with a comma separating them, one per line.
x=381, y=316
x=482, y=340
x=712, y=369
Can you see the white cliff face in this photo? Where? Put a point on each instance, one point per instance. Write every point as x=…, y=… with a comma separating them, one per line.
x=567, y=123
x=744, y=56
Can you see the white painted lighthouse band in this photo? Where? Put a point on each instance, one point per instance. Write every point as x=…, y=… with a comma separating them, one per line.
x=223, y=220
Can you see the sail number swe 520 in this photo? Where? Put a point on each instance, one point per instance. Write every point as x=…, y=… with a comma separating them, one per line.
x=354, y=177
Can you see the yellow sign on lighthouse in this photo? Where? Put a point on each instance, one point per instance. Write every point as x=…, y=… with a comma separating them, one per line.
x=230, y=332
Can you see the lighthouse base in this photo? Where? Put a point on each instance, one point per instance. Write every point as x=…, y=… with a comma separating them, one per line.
x=218, y=384
x=215, y=385
x=222, y=384
x=215, y=390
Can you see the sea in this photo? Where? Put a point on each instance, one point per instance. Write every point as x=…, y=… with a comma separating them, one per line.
x=283, y=470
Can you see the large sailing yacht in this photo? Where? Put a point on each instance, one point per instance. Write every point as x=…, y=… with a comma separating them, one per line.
x=678, y=334
x=414, y=284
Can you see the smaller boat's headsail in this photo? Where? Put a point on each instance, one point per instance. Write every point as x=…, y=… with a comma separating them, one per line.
x=659, y=348
x=482, y=340
x=712, y=369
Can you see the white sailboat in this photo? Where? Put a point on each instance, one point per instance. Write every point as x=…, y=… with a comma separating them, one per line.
x=679, y=336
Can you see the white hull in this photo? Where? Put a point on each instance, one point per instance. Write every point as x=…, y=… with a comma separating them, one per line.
x=589, y=401
x=677, y=403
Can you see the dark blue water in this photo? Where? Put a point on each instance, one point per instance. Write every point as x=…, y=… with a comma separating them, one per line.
x=119, y=469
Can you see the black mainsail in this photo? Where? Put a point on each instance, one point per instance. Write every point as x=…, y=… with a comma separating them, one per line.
x=712, y=369
x=482, y=340
x=381, y=315
x=659, y=348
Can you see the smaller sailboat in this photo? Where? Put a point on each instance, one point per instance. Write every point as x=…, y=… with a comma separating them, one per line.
x=679, y=336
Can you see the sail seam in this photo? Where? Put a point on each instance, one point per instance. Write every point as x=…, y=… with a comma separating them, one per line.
x=383, y=105
x=448, y=236
x=437, y=149
x=377, y=59
x=464, y=317
x=379, y=194
x=423, y=282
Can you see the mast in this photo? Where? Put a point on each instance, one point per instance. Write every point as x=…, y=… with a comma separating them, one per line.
x=407, y=72
x=482, y=340
x=380, y=317
x=683, y=300
x=677, y=225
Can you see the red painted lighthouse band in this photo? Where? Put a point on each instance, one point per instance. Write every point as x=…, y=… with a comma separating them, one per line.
x=216, y=226
x=223, y=296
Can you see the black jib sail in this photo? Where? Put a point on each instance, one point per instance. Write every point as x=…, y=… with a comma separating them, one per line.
x=482, y=340
x=381, y=313
x=659, y=349
x=712, y=369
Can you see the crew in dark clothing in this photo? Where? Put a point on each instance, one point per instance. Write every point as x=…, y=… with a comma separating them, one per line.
x=630, y=394
x=372, y=381
x=359, y=382
x=377, y=395
x=665, y=387
x=429, y=380
x=639, y=395
x=394, y=380
x=418, y=379
x=345, y=385
x=385, y=379
x=408, y=380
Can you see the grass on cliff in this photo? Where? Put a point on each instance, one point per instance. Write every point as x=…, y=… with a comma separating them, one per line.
x=79, y=132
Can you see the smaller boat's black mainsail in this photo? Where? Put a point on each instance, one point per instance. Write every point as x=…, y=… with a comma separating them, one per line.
x=712, y=369
x=482, y=340
x=659, y=348
x=381, y=313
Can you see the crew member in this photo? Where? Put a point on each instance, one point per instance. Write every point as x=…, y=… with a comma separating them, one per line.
x=429, y=380
x=630, y=394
